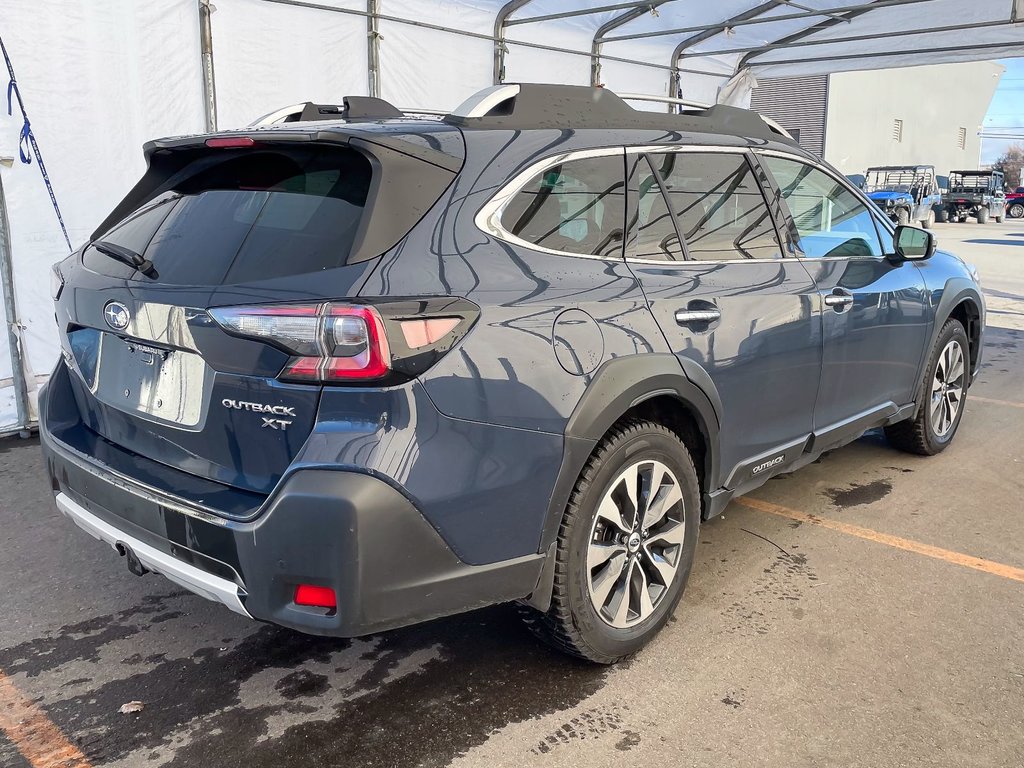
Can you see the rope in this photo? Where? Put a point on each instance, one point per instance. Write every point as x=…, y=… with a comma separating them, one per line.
x=27, y=140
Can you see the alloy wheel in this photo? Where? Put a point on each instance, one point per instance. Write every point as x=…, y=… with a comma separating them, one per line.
x=948, y=388
x=635, y=543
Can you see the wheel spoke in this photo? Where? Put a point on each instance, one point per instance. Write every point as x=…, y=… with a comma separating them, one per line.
x=645, y=606
x=956, y=370
x=621, y=601
x=606, y=581
x=665, y=570
x=669, y=535
x=667, y=496
x=600, y=552
x=609, y=511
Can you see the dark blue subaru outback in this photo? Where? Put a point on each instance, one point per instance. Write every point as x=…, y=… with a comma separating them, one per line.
x=357, y=369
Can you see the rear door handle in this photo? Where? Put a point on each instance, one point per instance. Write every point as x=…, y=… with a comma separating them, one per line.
x=839, y=299
x=694, y=316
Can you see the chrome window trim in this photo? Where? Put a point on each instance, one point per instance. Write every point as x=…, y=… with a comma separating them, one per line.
x=488, y=218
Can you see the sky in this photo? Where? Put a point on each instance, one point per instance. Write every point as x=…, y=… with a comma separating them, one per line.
x=1006, y=111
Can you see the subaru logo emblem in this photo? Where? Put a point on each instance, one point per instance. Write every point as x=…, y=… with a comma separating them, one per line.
x=116, y=315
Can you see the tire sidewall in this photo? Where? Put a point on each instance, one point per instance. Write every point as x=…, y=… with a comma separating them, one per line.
x=648, y=444
x=953, y=330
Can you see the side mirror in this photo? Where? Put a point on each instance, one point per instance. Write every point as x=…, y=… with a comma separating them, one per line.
x=914, y=243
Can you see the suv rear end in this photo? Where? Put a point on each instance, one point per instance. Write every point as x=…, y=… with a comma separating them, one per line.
x=228, y=412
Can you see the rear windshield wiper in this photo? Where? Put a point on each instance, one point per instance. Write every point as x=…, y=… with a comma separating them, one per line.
x=126, y=256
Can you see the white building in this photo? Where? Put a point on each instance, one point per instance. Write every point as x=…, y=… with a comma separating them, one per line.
x=918, y=115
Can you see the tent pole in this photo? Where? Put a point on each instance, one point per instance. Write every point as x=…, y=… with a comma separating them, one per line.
x=209, y=83
x=500, y=49
x=373, y=46
x=610, y=26
x=11, y=314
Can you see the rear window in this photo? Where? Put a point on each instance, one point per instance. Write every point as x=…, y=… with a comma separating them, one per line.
x=255, y=215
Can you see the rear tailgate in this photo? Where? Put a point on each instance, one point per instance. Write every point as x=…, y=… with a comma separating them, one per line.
x=289, y=217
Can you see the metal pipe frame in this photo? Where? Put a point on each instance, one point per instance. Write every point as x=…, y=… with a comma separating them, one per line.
x=373, y=48
x=581, y=12
x=209, y=81
x=596, y=44
x=720, y=25
x=800, y=43
x=675, y=79
x=887, y=54
x=501, y=21
x=12, y=320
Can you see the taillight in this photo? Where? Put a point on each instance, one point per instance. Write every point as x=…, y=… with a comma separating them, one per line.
x=230, y=142
x=335, y=343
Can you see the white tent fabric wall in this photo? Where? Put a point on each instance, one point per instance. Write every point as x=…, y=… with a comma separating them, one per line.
x=101, y=78
x=98, y=80
x=269, y=55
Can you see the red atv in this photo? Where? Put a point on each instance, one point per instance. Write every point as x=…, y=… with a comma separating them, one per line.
x=1015, y=204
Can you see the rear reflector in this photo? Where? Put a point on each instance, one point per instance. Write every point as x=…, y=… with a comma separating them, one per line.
x=423, y=333
x=228, y=142
x=315, y=597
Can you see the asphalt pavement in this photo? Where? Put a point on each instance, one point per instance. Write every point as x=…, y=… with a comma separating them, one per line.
x=867, y=610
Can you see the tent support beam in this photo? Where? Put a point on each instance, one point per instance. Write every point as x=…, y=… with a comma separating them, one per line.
x=209, y=82
x=11, y=317
x=624, y=18
x=759, y=49
x=373, y=47
x=888, y=54
x=500, y=49
x=582, y=12
x=675, y=80
x=720, y=26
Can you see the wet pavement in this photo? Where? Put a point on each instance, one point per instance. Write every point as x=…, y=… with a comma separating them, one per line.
x=794, y=644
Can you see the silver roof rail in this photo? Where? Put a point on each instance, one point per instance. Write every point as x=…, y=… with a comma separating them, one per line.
x=696, y=105
x=278, y=115
x=482, y=102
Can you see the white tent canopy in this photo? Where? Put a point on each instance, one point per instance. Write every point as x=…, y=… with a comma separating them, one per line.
x=99, y=79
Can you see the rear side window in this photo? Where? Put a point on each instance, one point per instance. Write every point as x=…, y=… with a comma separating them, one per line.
x=254, y=215
x=657, y=237
x=576, y=207
x=721, y=212
x=829, y=218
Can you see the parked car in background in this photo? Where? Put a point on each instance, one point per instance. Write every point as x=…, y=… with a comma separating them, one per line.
x=974, y=193
x=1015, y=204
x=906, y=193
x=360, y=369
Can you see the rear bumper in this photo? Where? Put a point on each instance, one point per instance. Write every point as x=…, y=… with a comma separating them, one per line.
x=342, y=529
x=188, y=576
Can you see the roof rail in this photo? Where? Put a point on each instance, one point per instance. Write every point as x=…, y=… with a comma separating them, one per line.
x=698, y=105
x=353, y=107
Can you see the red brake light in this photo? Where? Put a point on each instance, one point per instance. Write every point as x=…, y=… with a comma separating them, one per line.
x=315, y=597
x=229, y=142
x=328, y=342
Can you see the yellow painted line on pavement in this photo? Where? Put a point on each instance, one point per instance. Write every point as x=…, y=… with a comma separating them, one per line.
x=40, y=742
x=908, y=545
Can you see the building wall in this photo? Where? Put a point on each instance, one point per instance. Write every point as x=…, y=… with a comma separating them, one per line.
x=798, y=104
x=941, y=108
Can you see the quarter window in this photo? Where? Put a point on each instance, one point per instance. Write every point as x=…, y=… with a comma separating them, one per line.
x=829, y=219
x=718, y=204
x=576, y=207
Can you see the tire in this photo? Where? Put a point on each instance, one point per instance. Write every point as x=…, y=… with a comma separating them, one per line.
x=982, y=216
x=1016, y=211
x=927, y=222
x=936, y=423
x=942, y=216
x=600, y=629
x=998, y=218
x=902, y=217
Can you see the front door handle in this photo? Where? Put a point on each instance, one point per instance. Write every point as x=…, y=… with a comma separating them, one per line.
x=695, y=316
x=839, y=299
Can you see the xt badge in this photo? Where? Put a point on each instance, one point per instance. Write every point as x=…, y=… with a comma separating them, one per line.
x=268, y=421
